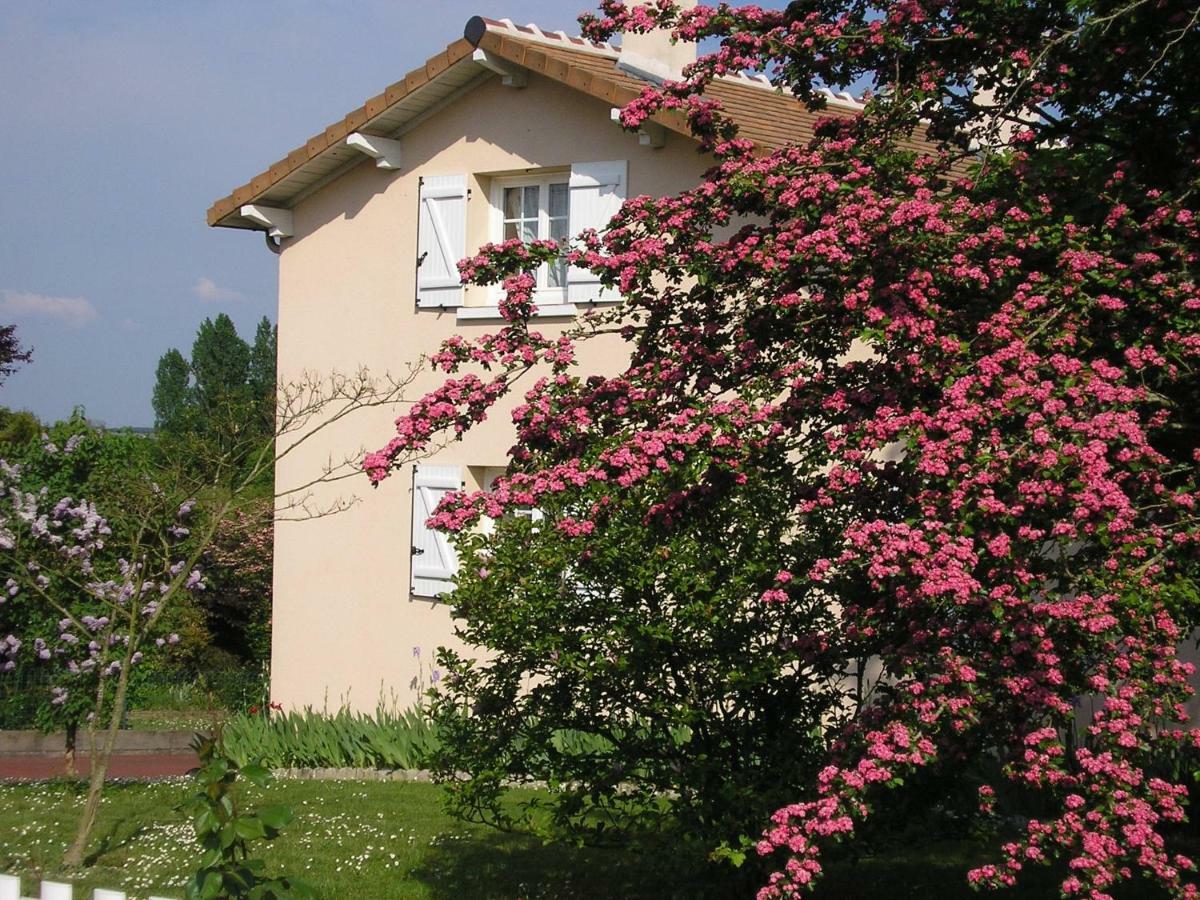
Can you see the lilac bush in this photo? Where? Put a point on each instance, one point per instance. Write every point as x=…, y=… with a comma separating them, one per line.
x=93, y=597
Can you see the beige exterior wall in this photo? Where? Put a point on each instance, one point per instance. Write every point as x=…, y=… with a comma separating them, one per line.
x=345, y=626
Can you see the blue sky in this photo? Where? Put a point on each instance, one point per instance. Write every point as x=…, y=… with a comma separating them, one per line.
x=123, y=121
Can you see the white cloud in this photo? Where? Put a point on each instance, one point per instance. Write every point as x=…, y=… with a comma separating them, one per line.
x=211, y=292
x=73, y=311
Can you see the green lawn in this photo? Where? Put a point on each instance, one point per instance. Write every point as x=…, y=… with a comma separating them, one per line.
x=363, y=840
x=376, y=840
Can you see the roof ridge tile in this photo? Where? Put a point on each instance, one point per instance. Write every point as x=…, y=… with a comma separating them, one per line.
x=535, y=32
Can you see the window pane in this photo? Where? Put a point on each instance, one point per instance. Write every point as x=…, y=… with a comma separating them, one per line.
x=512, y=203
x=531, y=201
x=558, y=229
x=558, y=201
x=510, y=230
x=529, y=230
x=556, y=275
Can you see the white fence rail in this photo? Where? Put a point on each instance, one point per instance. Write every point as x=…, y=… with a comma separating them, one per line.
x=10, y=889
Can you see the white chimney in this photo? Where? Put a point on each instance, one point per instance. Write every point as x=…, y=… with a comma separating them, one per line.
x=652, y=56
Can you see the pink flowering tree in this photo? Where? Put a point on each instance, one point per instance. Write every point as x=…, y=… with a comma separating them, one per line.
x=961, y=326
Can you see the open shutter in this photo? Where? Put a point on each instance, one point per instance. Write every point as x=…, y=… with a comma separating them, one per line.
x=597, y=191
x=441, y=240
x=434, y=561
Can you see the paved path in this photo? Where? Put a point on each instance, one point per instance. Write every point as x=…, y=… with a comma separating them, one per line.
x=138, y=766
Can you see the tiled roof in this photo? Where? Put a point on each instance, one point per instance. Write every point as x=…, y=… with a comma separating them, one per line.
x=765, y=115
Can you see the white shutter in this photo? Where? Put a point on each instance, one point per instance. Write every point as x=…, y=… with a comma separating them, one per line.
x=597, y=191
x=434, y=561
x=441, y=240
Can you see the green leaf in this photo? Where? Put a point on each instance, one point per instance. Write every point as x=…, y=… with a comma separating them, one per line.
x=730, y=854
x=204, y=822
x=256, y=774
x=214, y=771
x=275, y=817
x=210, y=888
x=250, y=828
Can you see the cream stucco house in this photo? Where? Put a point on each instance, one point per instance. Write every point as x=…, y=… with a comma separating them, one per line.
x=507, y=132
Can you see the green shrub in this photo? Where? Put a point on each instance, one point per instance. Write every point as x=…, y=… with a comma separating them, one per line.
x=638, y=671
x=308, y=739
x=23, y=692
x=226, y=834
x=232, y=689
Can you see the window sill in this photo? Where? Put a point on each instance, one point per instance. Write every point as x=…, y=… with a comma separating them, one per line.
x=544, y=311
x=549, y=310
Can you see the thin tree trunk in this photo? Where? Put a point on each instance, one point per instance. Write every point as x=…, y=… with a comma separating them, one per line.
x=100, y=761
x=69, y=750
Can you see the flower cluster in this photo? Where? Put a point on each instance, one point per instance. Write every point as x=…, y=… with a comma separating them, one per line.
x=101, y=608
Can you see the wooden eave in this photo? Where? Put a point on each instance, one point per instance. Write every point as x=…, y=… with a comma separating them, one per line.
x=366, y=118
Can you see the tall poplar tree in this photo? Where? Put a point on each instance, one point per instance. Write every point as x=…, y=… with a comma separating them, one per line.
x=172, y=400
x=261, y=372
x=224, y=396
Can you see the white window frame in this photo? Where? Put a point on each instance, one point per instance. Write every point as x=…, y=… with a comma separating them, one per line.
x=543, y=294
x=487, y=525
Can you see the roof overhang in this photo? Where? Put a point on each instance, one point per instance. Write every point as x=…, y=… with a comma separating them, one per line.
x=488, y=49
x=326, y=155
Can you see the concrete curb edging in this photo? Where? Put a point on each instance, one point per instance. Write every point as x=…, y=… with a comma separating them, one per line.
x=416, y=776
x=422, y=776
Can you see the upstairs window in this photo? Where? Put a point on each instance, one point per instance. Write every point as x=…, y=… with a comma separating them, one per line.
x=532, y=209
x=545, y=205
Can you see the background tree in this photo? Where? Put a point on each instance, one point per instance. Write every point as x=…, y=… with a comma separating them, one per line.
x=260, y=377
x=976, y=359
x=172, y=401
x=220, y=399
x=220, y=366
x=11, y=351
x=237, y=600
x=220, y=362
x=18, y=427
x=217, y=412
